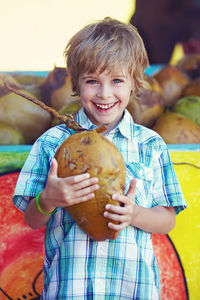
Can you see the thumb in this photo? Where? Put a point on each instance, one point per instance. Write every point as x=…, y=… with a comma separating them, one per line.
x=131, y=190
x=54, y=167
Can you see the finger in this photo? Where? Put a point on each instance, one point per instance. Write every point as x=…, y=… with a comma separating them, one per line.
x=115, y=217
x=86, y=190
x=76, y=179
x=83, y=198
x=54, y=167
x=120, y=198
x=131, y=190
x=72, y=197
x=79, y=178
x=85, y=183
x=115, y=209
x=117, y=227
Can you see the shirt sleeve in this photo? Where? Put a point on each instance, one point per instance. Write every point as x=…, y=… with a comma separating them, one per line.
x=33, y=176
x=21, y=202
x=166, y=188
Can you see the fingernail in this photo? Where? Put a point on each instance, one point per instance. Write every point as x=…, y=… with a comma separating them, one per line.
x=96, y=187
x=95, y=179
x=87, y=175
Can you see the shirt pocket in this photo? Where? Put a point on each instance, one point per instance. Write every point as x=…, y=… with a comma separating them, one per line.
x=144, y=176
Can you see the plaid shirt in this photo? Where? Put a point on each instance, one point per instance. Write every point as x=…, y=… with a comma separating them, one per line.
x=77, y=267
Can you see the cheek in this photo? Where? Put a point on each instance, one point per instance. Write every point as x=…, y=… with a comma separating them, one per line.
x=83, y=95
x=86, y=92
x=125, y=97
x=85, y=99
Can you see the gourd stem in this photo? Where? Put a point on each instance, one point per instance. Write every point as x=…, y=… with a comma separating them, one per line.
x=67, y=119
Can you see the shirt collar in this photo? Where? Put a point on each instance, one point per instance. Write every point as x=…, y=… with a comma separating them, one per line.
x=84, y=121
x=125, y=126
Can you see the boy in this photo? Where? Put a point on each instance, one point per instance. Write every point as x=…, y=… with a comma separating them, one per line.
x=106, y=62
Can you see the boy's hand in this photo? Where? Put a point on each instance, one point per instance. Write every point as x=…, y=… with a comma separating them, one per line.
x=63, y=192
x=123, y=214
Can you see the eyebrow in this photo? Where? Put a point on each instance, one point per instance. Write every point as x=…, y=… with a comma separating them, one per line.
x=87, y=76
x=119, y=75
x=94, y=75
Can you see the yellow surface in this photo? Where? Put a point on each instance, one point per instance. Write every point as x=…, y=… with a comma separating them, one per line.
x=186, y=234
x=177, y=54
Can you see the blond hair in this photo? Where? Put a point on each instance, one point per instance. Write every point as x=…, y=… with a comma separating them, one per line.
x=106, y=44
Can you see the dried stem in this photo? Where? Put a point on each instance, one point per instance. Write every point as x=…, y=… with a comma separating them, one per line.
x=67, y=119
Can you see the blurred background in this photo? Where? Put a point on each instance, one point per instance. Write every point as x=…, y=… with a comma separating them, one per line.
x=34, y=33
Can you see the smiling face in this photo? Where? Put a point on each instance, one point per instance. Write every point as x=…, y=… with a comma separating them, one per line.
x=105, y=95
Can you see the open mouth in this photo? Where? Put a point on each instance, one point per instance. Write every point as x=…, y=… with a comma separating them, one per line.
x=105, y=107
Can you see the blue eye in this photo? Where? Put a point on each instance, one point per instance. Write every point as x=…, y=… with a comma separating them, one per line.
x=116, y=80
x=91, y=81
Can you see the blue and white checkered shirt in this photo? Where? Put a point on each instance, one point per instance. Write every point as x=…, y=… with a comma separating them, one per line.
x=77, y=267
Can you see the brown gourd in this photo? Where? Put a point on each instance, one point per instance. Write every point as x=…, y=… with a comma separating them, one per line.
x=89, y=151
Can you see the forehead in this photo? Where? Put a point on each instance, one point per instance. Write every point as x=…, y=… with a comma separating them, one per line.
x=107, y=71
x=102, y=60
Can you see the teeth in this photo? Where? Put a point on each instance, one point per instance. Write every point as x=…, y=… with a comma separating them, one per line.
x=104, y=106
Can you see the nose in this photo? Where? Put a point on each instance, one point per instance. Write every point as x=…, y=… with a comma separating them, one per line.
x=104, y=91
